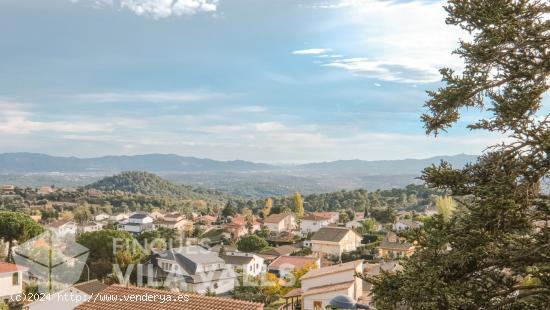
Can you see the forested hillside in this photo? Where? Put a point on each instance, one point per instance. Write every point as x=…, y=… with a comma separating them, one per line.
x=145, y=183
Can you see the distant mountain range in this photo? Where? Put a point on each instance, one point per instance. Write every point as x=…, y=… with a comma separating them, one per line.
x=21, y=163
x=240, y=178
x=37, y=163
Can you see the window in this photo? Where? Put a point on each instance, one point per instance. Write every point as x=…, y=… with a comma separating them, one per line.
x=15, y=278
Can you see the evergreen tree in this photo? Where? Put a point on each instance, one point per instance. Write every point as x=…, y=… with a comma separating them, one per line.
x=489, y=254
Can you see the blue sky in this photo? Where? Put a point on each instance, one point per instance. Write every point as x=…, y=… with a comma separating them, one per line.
x=261, y=80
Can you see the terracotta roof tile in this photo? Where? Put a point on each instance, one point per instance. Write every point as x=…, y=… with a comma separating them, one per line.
x=276, y=218
x=328, y=288
x=332, y=269
x=195, y=302
x=7, y=267
x=91, y=287
x=296, y=261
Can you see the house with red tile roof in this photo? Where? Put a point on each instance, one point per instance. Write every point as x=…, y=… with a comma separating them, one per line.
x=171, y=301
x=283, y=266
x=319, y=286
x=11, y=280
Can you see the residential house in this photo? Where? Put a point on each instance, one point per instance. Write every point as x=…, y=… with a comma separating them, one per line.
x=283, y=266
x=394, y=247
x=334, y=217
x=250, y=264
x=171, y=301
x=45, y=190
x=313, y=222
x=118, y=217
x=405, y=224
x=335, y=240
x=62, y=300
x=283, y=250
x=280, y=222
x=321, y=285
x=175, y=221
x=63, y=227
x=11, y=280
x=193, y=268
x=89, y=227
x=101, y=217
x=239, y=226
x=226, y=248
x=375, y=269
x=138, y=223
x=8, y=189
x=357, y=221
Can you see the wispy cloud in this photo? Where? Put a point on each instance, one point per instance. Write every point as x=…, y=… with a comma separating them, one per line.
x=409, y=51
x=312, y=51
x=250, y=109
x=159, y=8
x=388, y=71
x=185, y=96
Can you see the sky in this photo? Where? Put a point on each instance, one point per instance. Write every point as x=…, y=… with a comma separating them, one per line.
x=275, y=81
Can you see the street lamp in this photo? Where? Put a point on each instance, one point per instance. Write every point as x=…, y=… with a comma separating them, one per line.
x=345, y=302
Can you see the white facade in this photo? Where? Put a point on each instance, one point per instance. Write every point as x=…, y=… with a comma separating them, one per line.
x=90, y=227
x=280, y=222
x=347, y=243
x=321, y=285
x=11, y=280
x=138, y=223
x=65, y=229
x=101, y=217
x=195, y=269
x=252, y=268
x=310, y=226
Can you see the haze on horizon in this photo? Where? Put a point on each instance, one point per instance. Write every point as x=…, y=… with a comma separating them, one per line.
x=266, y=81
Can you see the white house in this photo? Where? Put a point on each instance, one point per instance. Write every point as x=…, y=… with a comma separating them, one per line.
x=313, y=222
x=251, y=264
x=89, y=227
x=101, y=217
x=11, y=280
x=138, y=222
x=193, y=268
x=334, y=217
x=319, y=286
x=63, y=227
x=280, y=222
x=175, y=221
x=62, y=300
x=118, y=217
x=335, y=240
x=405, y=224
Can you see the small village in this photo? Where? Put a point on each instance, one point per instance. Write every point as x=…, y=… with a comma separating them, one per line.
x=288, y=260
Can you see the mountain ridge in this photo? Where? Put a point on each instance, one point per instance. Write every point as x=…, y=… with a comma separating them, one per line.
x=22, y=162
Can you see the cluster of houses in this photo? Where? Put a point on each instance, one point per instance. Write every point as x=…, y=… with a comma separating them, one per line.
x=216, y=269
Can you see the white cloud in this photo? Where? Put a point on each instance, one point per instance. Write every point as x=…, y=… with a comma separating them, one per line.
x=22, y=125
x=405, y=41
x=311, y=51
x=17, y=118
x=190, y=96
x=388, y=71
x=250, y=109
x=160, y=8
